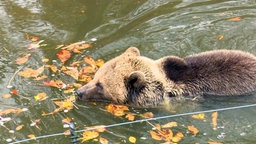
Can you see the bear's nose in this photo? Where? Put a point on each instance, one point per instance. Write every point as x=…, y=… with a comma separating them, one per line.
x=79, y=94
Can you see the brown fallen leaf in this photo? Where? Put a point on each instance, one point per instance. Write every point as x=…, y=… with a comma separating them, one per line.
x=193, y=130
x=22, y=60
x=64, y=55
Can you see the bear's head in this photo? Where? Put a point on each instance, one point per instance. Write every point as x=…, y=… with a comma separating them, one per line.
x=128, y=79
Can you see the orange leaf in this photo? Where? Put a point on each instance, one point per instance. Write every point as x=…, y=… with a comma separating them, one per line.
x=90, y=61
x=64, y=55
x=6, y=96
x=87, y=70
x=99, y=128
x=50, y=83
x=155, y=135
x=103, y=140
x=193, y=130
x=170, y=125
x=52, y=67
x=76, y=64
x=214, y=120
x=34, y=39
x=235, y=19
x=147, y=115
x=15, y=92
x=22, y=60
x=117, y=110
x=32, y=136
x=88, y=135
x=67, y=132
x=19, y=127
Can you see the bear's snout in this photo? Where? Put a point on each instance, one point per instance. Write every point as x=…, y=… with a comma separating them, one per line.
x=79, y=94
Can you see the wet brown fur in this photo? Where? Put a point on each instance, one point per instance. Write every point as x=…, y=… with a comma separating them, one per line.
x=140, y=81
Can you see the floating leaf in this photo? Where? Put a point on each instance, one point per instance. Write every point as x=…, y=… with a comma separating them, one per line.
x=155, y=135
x=99, y=128
x=117, y=110
x=193, y=130
x=72, y=71
x=34, y=39
x=88, y=135
x=170, y=125
x=220, y=37
x=76, y=64
x=45, y=60
x=235, y=19
x=177, y=137
x=15, y=92
x=200, y=116
x=103, y=140
x=40, y=97
x=32, y=136
x=90, y=61
x=69, y=90
x=64, y=55
x=6, y=96
x=35, y=45
x=147, y=115
x=130, y=116
x=28, y=72
x=132, y=139
x=214, y=120
x=19, y=127
x=41, y=77
x=52, y=67
x=99, y=62
x=66, y=120
x=22, y=60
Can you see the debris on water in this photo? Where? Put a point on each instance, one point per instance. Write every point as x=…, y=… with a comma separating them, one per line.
x=221, y=135
x=93, y=39
x=73, y=136
x=243, y=134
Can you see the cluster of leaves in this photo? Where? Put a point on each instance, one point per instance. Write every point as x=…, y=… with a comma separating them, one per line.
x=75, y=70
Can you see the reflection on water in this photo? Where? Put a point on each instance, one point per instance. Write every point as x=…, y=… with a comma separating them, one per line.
x=157, y=28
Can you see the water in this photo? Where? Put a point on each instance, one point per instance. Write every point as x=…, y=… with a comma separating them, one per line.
x=157, y=28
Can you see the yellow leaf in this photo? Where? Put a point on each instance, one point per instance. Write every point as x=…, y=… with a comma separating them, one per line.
x=99, y=62
x=40, y=97
x=177, y=137
x=88, y=135
x=132, y=139
x=170, y=125
x=193, y=130
x=117, y=110
x=6, y=95
x=45, y=60
x=220, y=37
x=130, y=116
x=200, y=116
x=69, y=90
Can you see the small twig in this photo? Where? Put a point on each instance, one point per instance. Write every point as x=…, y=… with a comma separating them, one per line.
x=10, y=81
x=6, y=50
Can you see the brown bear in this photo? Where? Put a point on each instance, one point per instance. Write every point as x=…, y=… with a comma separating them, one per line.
x=139, y=81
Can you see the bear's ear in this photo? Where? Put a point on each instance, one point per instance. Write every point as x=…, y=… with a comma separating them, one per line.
x=174, y=67
x=136, y=79
x=132, y=51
